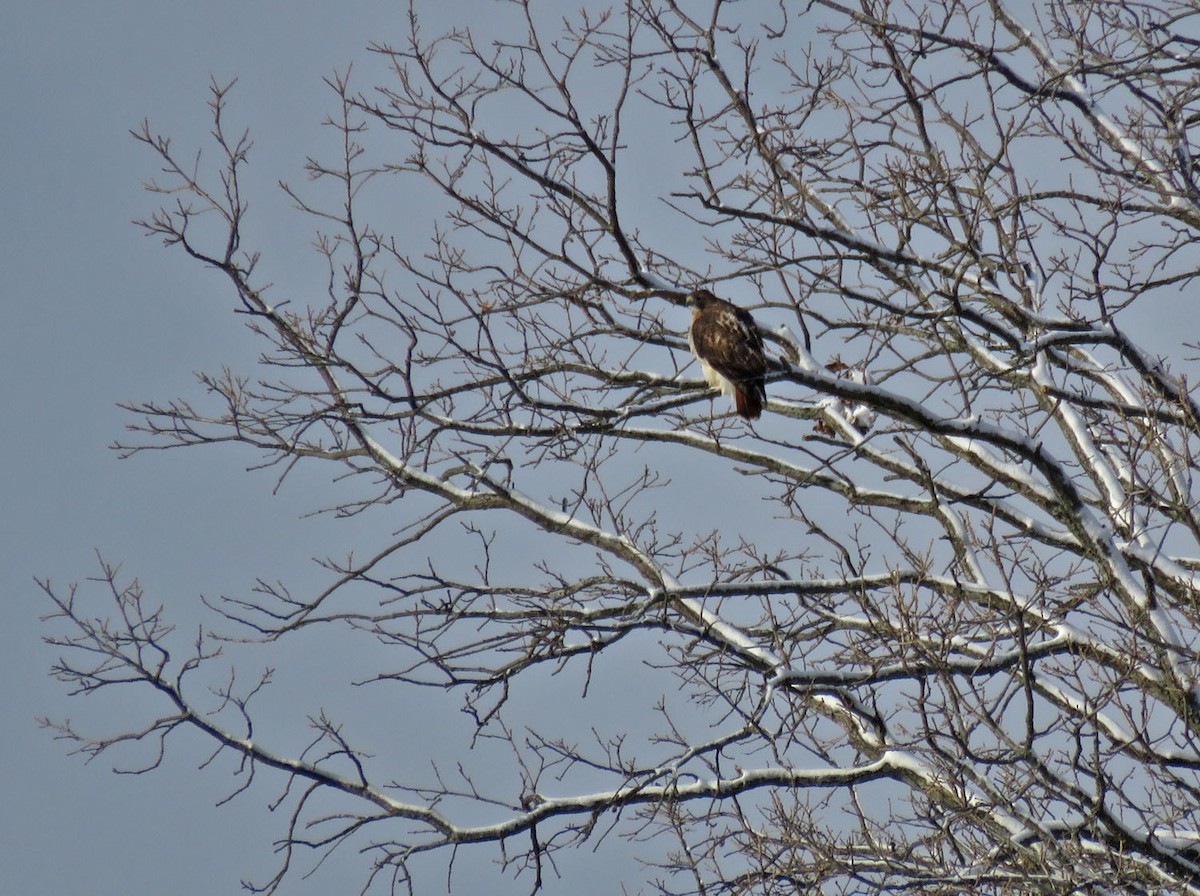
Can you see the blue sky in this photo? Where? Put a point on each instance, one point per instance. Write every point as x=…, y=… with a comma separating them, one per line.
x=97, y=313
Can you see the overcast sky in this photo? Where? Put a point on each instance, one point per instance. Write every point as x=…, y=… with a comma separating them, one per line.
x=96, y=313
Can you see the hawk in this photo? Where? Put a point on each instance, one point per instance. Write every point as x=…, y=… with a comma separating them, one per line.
x=725, y=340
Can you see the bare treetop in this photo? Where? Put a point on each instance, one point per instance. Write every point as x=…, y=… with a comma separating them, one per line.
x=928, y=625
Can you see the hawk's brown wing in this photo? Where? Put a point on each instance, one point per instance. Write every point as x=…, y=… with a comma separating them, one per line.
x=727, y=338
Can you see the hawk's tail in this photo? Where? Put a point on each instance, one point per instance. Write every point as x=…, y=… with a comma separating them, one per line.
x=749, y=398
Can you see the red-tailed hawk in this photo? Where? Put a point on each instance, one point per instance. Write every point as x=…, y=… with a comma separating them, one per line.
x=726, y=342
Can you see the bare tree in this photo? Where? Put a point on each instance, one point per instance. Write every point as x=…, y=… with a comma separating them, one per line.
x=929, y=625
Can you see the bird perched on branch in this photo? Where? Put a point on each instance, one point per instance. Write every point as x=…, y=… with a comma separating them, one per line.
x=726, y=341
